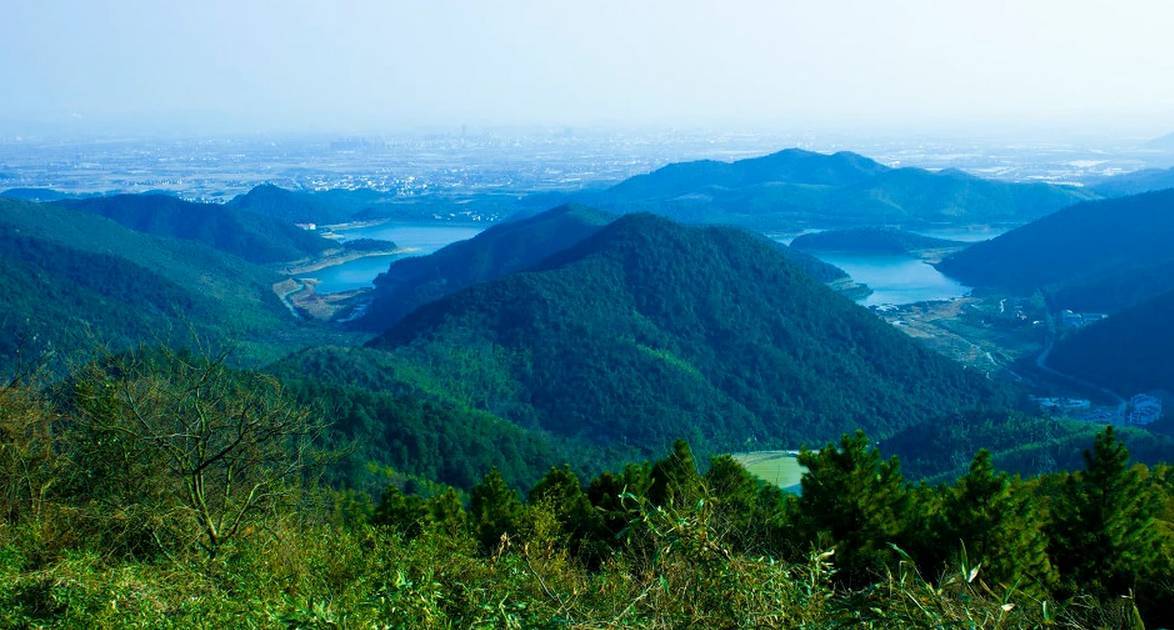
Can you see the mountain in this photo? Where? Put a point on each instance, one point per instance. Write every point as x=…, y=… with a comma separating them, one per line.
x=343, y=205
x=649, y=330
x=1100, y=255
x=504, y=248
x=942, y=449
x=1129, y=352
x=39, y=194
x=794, y=188
x=870, y=241
x=1134, y=183
x=1163, y=143
x=299, y=206
x=511, y=246
x=381, y=418
x=251, y=236
x=74, y=279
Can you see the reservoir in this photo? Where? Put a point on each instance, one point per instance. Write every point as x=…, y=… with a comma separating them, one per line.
x=422, y=238
x=905, y=278
x=896, y=279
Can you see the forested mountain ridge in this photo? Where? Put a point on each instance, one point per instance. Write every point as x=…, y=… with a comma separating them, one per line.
x=503, y=248
x=74, y=279
x=510, y=246
x=1098, y=255
x=794, y=187
x=649, y=330
x=251, y=236
x=1129, y=352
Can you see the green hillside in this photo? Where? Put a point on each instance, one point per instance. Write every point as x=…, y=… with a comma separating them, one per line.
x=384, y=420
x=794, y=188
x=1100, y=255
x=501, y=249
x=942, y=448
x=649, y=330
x=251, y=236
x=73, y=279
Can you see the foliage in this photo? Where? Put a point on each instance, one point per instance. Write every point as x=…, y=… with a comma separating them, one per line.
x=504, y=248
x=648, y=331
x=656, y=544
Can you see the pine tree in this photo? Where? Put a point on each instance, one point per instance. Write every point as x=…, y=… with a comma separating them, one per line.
x=994, y=521
x=746, y=511
x=494, y=510
x=674, y=479
x=856, y=501
x=1104, y=539
x=581, y=525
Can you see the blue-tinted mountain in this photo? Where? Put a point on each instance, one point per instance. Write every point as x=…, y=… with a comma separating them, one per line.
x=793, y=188
x=1134, y=183
x=1101, y=255
x=1129, y=352
x=648, y=330
x=251, y=236
x=302, y=206
x=870, y=241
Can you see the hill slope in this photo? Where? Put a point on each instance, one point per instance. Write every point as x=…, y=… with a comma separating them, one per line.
x=870, y=241
x=1099, y=255
x=411, y=282
x=1134, y=183
x=648, y=331
x=792, y=188
x=254, y=237
x=73, y=278
x=1130, y=352
x=502, y=249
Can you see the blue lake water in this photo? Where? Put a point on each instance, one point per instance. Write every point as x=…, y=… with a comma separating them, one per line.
x=897, y=279
x=357, y=274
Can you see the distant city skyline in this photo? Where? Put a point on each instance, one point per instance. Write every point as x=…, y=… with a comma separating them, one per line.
x=1045, y=69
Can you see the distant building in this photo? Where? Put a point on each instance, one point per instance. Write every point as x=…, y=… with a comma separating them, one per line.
x=307, y=226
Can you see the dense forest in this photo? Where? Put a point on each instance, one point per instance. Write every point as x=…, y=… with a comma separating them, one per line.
x=73, y=280
x=649, y=330
x=514, y=245
x=155, y=489
x=253, y=237
x=504, y=248
x=1129, y=352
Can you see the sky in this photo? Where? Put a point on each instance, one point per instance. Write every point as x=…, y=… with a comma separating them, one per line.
x=380, y=66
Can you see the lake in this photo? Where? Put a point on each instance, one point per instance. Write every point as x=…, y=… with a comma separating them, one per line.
x=357, y=274
x=896, y=279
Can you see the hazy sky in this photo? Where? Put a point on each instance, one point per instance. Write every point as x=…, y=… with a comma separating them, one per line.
x=386, y=65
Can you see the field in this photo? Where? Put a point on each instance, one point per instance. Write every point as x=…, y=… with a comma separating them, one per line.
x=778, y=467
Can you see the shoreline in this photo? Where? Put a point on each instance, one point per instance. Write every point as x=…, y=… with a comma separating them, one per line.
x=332, y=260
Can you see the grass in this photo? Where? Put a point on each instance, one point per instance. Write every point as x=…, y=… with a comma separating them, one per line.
x=778, y=467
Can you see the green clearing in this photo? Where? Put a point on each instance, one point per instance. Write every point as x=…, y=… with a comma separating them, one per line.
x=781, y=468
